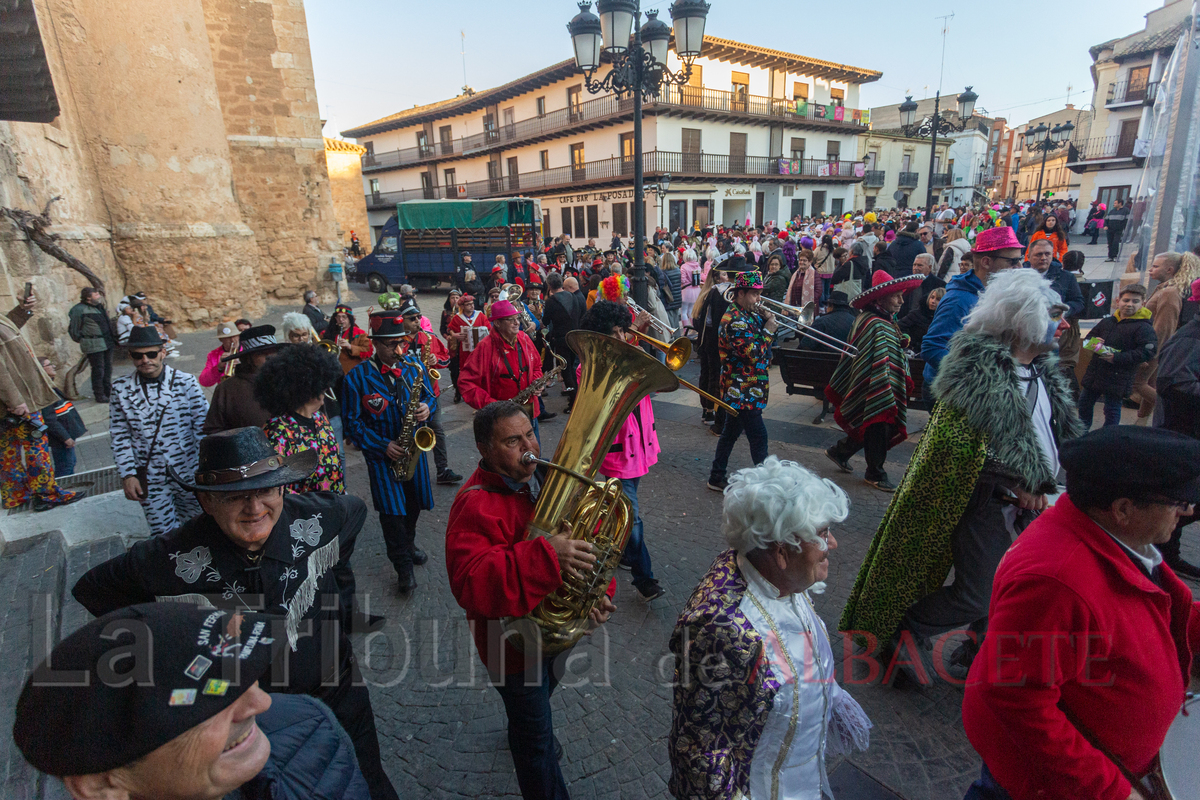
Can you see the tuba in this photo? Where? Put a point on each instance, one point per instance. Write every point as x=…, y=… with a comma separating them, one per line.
x=616, y=376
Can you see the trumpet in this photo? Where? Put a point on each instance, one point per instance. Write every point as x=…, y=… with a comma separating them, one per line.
x=679, y=352
x=655, y=322
x=802, y=325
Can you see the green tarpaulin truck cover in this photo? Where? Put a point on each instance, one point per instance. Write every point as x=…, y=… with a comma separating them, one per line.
x=460, y=214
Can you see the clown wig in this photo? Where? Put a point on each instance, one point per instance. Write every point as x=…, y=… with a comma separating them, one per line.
x=614, y=287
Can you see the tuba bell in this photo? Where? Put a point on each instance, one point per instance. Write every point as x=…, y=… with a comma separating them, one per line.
x=615, y=378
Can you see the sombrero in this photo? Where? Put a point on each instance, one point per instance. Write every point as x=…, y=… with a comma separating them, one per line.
x=883, y=284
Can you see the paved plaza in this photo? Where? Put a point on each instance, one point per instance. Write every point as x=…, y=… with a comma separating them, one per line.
x=442, y=728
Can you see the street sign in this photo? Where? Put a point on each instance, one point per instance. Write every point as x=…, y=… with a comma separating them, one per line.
x=898, y=196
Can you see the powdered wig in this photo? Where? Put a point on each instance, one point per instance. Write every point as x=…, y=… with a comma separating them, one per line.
x=295, y=321
x=779, y=501
x=689, y=256
x=1014, y=308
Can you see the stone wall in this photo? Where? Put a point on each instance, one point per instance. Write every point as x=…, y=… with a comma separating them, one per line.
x=344, y=162
x=268, y=99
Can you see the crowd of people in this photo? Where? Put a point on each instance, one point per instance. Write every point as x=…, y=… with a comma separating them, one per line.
x=246, y=497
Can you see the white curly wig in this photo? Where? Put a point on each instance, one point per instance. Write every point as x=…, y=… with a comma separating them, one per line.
x=779, y=501
x=1014, y=308
x=295, y=321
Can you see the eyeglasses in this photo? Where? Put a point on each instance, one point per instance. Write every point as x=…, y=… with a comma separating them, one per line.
x=1182, y=505
x=243, y=498
x=1012, y=262
x=145, y=355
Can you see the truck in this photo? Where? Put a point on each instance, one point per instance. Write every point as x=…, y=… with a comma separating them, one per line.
x=423, y=242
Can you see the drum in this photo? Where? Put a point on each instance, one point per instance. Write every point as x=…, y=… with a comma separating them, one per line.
x=1177, y=760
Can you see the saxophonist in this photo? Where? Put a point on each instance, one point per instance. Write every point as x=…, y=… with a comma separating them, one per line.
x=503, y=364
x=495, y=573
x=375, y=397
x=433, y=354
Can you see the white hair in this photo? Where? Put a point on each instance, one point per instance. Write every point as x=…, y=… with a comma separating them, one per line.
x=755, y=247
x=689, y=255
x=295, y=321
x=711, y=253
x=924, y=256
x=779, y=501
x=739, y=249
x=1014, y=307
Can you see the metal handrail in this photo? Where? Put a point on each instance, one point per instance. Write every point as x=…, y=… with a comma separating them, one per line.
x=874, y=177
x=606, y=106
x=909, y=179
x=1130, y=92
x=1103, y=147
x=654, y=162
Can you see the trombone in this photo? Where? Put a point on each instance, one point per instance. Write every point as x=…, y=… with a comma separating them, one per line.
x=679, y=352
x=655, y=322
x=802, y=325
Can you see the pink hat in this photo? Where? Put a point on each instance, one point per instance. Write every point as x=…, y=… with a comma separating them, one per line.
x=501, y=309
x=1195, y=291
x=996, y=239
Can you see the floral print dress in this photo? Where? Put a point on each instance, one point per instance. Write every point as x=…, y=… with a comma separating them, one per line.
x=291, y=433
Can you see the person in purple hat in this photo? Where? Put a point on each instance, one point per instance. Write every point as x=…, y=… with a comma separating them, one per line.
x=995, y=249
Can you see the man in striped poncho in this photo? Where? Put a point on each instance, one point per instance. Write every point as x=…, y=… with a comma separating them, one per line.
x=869, y=391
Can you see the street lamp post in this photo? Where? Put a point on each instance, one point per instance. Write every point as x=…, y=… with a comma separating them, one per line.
x=1036, y=139
x=661, y=189
x=638, y=53
x=933, y=127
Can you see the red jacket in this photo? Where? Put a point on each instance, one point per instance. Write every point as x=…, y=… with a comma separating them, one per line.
x=1075, y=625
x=458, y=322
x=494, y=572
x=485, y=376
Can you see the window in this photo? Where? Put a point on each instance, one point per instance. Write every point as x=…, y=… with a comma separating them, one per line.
x=835, y=206
x=446, y=135
x=797, y=147
x=833, y=151
x=489, y=126
x=693, y=93
x=678, y=214
x=577, y=156
x=370, y=154
x=627, y=144
x=1139, y=79
x=593, y=222
x=575, y=100
x=423, y=143
x=697, y=77
x=799, y=91
x=818, y=203
x=374, y=185
x=620, y=219
x=737, y=153
x=579, y=212
x=541, y=106
x=741, y=90
x=510, y=117
x=566, y=221
x=1108, y=194
x=789, y=191
x=906, y=163
x=544, y=158
x=427, y=185
x=797, y=208
x=449, y=176
x=512, y=167
x=837, y=97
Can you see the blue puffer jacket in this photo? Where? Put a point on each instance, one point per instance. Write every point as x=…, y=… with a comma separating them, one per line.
x=962, y=293
x=905, y=249
x=312, y=758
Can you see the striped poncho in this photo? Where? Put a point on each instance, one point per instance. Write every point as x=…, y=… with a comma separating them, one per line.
x=873, y=386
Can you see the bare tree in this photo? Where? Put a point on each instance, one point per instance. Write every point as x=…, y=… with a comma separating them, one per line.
x=35, y=225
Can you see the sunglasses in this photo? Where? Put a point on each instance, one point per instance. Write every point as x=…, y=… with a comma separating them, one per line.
x=145, y=355
x=231, y=500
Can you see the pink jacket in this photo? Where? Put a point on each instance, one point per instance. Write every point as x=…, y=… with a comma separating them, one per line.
x=214, y=371
x=635, y=450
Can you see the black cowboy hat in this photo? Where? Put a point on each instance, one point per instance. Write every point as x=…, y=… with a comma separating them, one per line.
x=242, y=459
x=259, y=339
x=147, y=336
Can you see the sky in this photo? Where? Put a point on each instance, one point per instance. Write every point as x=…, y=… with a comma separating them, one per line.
x=377, y=57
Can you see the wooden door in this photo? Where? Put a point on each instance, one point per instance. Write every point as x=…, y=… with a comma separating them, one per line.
x=1129, y=130
x=737, y=153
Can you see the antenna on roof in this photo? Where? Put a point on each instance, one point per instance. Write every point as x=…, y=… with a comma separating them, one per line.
x=466, y=86
x=945, y=31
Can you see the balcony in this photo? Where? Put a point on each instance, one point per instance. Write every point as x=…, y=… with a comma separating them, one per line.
x=941, y=180
x=1122, y=92
x=1101, y=149
x=620, y=171
x=874, y=178
x=609, y=108
x=909, y=180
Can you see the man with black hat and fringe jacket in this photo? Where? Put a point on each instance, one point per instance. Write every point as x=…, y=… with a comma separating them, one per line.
x=375, y=399
x=257, y=548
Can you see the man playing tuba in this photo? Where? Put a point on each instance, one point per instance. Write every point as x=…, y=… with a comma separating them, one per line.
x=496, y=573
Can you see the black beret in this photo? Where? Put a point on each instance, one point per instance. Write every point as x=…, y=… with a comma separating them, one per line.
x=127, y=683
x=1136, y=462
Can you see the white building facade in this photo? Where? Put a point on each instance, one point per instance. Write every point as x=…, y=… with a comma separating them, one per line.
x=757, y=134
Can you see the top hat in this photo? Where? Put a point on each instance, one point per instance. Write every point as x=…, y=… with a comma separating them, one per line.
x=145, y=336
x=203, y=660
x=387, y=325
x=242, y=459
x=259, y=339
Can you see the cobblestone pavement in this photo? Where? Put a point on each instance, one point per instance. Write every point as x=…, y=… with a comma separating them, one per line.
x=443, y=729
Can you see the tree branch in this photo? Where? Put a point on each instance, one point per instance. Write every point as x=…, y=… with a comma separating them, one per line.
x=35, y=225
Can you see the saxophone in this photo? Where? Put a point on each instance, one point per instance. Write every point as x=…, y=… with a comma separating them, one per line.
x=616, y=376
x=545, y=382
x=413, y=440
